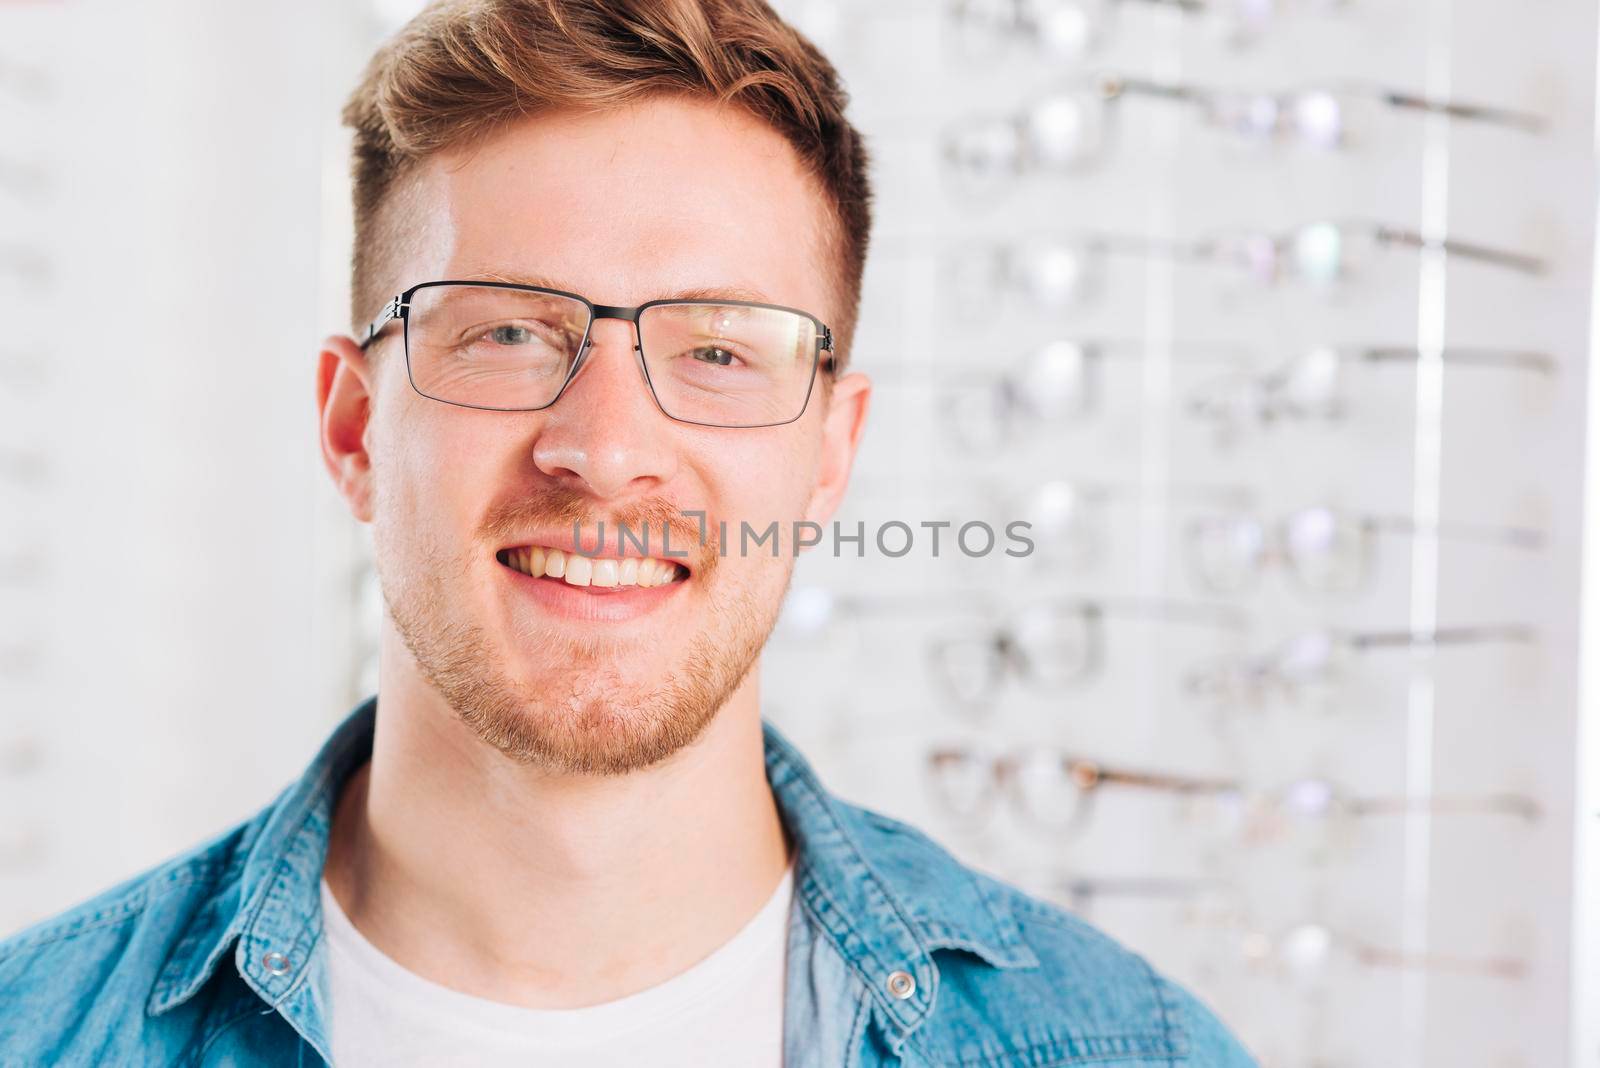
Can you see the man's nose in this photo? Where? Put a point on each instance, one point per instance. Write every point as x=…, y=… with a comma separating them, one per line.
x=605, y=435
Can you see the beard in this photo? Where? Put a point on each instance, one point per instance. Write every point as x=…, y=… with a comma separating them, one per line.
x=586, y=717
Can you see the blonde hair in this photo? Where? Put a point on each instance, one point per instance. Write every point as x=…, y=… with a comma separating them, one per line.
x=463, y=68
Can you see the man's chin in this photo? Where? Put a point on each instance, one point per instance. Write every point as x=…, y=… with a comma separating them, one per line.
x=588, y=730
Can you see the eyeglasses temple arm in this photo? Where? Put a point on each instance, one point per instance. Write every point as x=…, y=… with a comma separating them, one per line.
x=1515, y=261
x=1442, y=636
x=1540, y=362
x=1503, y=804
x=391, y=311
x=1111, y=87
x=1150, y=780
x=1514, y=537
x=1476, y=112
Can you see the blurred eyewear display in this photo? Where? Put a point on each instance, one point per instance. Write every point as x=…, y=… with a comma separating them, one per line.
x=1304, y=952
x=1049, y=788
x=1050, y=647
x=1327, y=551
x=1070, y=130
x=1068, y=30
x=1311, y=664
x=1313, y=385
x=1050, y=386
x=1051, y=274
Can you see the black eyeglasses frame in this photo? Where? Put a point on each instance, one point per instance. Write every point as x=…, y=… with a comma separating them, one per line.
x=400, y=305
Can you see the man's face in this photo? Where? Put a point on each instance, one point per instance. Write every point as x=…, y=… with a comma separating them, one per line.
x=657, y=200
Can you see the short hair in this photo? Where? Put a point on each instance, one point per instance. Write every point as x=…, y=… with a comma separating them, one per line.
x=464, y=68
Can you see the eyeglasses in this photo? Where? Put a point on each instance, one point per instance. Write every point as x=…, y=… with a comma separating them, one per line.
x=1309, y=386
x=1069, y=29
x=1048, y=386
x=1056, y=273
x=1071, y=522
x=1305, y=951
x=1061, y=29
x=1081, y=892
x=1050, y=788
x=1323, y=254
x=1072, y=129
x=1328, y=551
x=1055, y=383
x=1049, y=646
x=1311, y=663
x=505, y=347
x=1313, y=801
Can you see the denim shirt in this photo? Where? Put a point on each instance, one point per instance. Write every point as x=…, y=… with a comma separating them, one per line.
x=897, y=953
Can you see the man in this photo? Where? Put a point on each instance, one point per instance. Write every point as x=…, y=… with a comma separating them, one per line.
x=611, y=252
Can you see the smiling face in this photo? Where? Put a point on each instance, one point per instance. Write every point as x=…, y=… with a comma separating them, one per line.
x=669, y=198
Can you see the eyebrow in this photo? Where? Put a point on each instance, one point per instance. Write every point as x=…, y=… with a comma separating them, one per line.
x=709, y=293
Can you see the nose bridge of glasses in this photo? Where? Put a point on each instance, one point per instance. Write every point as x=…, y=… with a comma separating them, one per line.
x=598, y=331
x=611, y=311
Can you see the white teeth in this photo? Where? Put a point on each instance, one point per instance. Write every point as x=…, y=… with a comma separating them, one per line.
x=579, y=570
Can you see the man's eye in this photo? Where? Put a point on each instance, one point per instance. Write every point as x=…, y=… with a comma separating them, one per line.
x=714, y=355
x=510, y=335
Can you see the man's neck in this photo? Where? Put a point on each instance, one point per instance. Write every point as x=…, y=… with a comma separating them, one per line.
x=547, y=890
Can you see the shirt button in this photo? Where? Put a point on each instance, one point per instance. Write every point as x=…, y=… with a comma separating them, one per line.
x=901, y=985
x=276, y=963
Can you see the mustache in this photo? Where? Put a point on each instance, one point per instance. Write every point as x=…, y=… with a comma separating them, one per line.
x=562, y=509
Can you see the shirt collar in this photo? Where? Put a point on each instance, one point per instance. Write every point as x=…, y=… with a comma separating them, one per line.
x=885, y=893
x=885, y=915
x=272, y=908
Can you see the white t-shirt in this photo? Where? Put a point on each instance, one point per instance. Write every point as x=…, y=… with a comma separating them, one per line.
x=382, y=1014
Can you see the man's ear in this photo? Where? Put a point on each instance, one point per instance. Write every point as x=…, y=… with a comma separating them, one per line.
x=344, y=407
x=841, y=433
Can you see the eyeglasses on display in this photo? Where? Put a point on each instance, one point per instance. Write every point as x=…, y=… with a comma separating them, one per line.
x=1068, y=272
x=1070, y=130
x=1331, y=252
x=1068, y=30
x=1311, y=663
x=1071, y=521
x=1270, y=815
x=509, y=347
x=1081, y=893
x=1053, y=385
x=1057, y=29
x=1311, y=386
x=1327, y=551
x=1050, y=788
x=1304, y=952
x=1048, y=646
